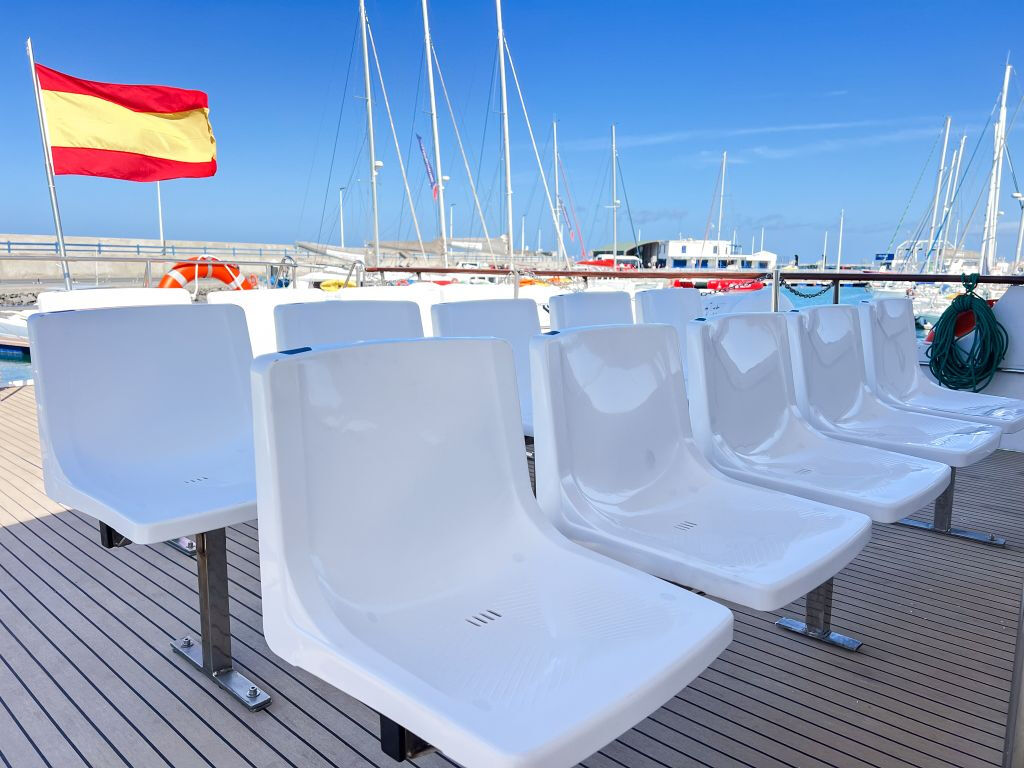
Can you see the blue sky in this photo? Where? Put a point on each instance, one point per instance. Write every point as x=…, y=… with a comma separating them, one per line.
x=821, y=106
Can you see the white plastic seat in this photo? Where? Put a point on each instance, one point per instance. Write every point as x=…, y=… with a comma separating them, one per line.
x=475, y=291
x=746, y=420
x=155, y=445
x=514, y=320
x=890, y=346
x=98, y=298
x=342, y=322
x=732, y=302
x=834, y=397
x=670, y=306
x=447, y=602
x=259, y=309
x=574, y=310
x=618, y=470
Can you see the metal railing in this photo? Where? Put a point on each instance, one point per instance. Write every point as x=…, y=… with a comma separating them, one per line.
x=172, y=250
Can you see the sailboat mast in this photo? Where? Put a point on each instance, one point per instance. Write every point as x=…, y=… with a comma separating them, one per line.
x=721, y=200
x=504, y=127
x=988, y=243
x=369, y=129
x=615, y=200
x=938, y=193
x=433, y=124
x=839, y=251
x=558, y=200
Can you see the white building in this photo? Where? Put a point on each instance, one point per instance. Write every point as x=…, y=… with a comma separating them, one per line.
x=692, y=253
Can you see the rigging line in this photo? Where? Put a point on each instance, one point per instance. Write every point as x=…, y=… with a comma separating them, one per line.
x=536, y=181
x=316, y=148
x=394, y=135
x=603, y=185
x=348, y=184
x=487, y=120
x=533, y=141
x=913, y=194
x=337, y=132
x=412, y=128
x=629, y=213
x=462, y=151
x=572, y=206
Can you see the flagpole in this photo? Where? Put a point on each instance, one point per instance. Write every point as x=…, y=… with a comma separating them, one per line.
x=44, y=134
x=163, y=245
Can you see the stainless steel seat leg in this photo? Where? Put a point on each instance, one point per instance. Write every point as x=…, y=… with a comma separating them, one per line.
x=398, y=743
x=819, y=620
x=211, y=653
x=942, y=521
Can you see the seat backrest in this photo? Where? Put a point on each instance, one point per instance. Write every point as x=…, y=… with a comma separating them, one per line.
x=828, y=359
x=99, y=298
x=610, y=413
x=670, y=306
x=259, y=308
x=425, y=295
x=890, y=346
x=514, y=320
x=575, y=310
x=123, y=388
x=1009, y=311
x=475, y=292
x=740, y=379
x=732, y=302
x=325, y=323
x=389, y=487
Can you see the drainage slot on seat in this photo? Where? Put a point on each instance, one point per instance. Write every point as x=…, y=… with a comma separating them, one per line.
x=484, y=618
x=684, y=525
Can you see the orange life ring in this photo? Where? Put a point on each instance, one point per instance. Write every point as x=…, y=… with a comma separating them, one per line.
x=184, y=272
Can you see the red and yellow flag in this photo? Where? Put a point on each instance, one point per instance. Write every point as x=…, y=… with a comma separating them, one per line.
x=132, y=132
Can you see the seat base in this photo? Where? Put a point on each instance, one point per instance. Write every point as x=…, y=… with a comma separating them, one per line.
x=832, y=638
x=942, y=521
x=959, y=533
x=398, y=743
x=183, y=544
x=238, y=685
x=819, y=620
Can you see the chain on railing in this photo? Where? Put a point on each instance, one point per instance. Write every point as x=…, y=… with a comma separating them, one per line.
x=804, y=295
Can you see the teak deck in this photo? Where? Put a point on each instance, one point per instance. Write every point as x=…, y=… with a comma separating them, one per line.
x=87, y=677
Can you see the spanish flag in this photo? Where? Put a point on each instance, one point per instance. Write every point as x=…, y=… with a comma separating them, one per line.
x=132, y=132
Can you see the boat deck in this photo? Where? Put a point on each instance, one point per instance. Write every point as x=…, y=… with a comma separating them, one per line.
x=87, y=677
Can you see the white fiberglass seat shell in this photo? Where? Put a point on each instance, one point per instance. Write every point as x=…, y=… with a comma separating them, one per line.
x=447, y=602
x=513, y=320
x=746, y=420
x=155, y=445
x=259, y=309
x=834, y=397
x=732, y=302
x=890, y=347
x=618, y=471
x=573, y=310
x=343, y=322
x=670, y=306
x=98, y=298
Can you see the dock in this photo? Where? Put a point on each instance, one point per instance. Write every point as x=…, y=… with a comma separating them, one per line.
x=87, y=678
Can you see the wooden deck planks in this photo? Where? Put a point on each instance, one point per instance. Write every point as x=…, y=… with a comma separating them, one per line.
x=87, y=677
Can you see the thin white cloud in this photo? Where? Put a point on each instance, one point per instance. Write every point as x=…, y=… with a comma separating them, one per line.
x=626, y=141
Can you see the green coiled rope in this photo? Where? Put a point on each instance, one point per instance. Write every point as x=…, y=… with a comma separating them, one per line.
x=953, y=365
